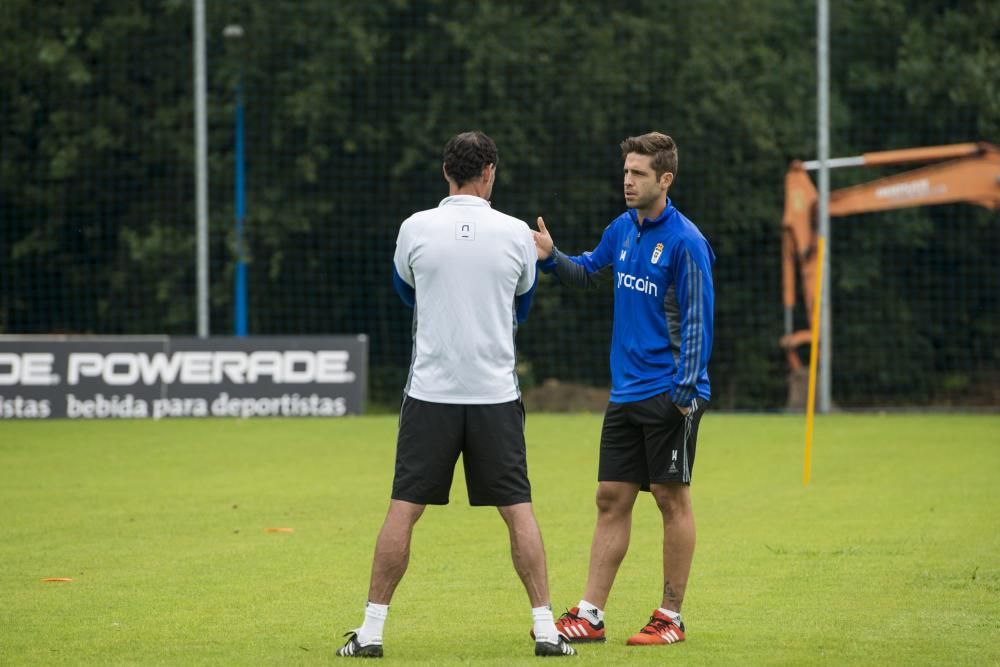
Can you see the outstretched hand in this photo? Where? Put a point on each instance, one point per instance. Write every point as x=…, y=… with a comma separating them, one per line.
x=543, y=241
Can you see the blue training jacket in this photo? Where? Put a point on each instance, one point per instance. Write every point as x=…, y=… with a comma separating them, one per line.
x=664, y=303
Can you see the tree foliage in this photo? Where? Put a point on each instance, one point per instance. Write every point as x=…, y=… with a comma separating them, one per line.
x=349, y=103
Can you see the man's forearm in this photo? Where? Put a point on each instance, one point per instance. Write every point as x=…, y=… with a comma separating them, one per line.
x=571, y=273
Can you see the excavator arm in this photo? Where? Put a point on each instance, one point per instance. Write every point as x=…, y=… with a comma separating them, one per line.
x=969, y=173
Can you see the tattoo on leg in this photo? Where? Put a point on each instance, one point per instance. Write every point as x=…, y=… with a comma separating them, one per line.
x=670, y=594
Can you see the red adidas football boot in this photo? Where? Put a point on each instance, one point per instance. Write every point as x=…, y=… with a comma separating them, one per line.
x=661, y=629
x=577, y=629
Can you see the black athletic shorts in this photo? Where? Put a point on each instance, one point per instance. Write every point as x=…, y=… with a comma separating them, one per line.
x=490, y=439
x=649, y=441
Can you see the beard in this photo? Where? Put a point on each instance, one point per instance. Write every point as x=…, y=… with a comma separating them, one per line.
x=643, y=201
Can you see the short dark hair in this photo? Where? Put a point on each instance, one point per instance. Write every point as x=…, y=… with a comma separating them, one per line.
x=466, y=154
x=658, y=145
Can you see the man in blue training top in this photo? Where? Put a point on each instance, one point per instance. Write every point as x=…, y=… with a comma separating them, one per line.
x=660, y=348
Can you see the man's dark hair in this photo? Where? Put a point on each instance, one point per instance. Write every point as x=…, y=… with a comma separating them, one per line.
x=661, y=147
x=466, y=154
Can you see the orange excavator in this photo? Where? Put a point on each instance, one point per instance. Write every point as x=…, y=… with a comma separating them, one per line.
x=965, y=173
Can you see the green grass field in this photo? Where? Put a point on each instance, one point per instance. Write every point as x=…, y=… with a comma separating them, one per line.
x=891, y=556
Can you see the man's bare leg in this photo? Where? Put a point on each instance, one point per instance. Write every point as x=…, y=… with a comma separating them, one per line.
x=527, y=551
x=528, y=554
x=611, y=537
x=392, y=555
x=674, y=501
x=392, y=550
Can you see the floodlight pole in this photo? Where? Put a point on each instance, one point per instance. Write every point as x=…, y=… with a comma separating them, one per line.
x=235, y=34
x=201, y=166
x=823, y=140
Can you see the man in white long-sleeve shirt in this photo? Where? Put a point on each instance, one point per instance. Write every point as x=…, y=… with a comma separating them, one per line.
x=469, y=273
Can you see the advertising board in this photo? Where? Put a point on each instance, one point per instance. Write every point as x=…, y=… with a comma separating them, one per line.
x=83, y=377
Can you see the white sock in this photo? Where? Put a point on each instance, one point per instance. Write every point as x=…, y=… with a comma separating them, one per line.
x=591, y=612
x=371, y=631
x=672, y=615
x=544, y=625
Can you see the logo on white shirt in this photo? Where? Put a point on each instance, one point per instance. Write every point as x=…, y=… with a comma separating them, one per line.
x=465, y=230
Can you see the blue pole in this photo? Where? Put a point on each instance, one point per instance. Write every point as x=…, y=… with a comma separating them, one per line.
x=240, y=286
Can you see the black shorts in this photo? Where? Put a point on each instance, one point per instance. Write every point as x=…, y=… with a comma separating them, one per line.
x=649, y=441
x=490, y=439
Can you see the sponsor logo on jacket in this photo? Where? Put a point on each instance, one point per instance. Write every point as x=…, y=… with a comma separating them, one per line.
x=644, y=285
